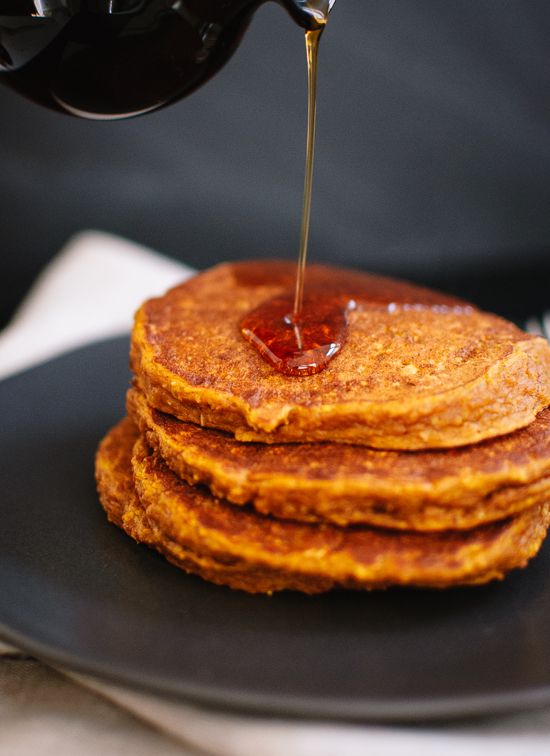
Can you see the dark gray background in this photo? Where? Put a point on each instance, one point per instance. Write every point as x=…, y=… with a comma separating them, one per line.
x=433, y=155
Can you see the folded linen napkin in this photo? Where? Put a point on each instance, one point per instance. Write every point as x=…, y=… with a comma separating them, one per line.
x=89, y=292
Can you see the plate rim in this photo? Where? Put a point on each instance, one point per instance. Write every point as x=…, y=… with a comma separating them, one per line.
x=396, y=711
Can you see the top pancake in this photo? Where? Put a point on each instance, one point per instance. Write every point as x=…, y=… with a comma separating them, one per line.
x=418, y=370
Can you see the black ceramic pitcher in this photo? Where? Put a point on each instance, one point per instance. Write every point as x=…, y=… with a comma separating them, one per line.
x=108, y=59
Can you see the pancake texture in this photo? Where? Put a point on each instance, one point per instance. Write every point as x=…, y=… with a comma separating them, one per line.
x=344, y=484
x=419, y=370
x=246, y=550
x=420, y=456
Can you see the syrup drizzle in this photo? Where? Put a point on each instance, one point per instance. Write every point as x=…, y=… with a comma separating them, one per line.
x=312, y=50
x=298, y=336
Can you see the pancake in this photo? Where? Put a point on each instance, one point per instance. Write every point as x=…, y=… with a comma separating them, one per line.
x=115, y=482
x=345, y=484
x=242, y=549
x=419, y=370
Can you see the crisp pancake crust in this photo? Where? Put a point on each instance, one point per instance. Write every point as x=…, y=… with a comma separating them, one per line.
x=340, y=483
x=240, y=548
x=115, y=483
x=436, y=375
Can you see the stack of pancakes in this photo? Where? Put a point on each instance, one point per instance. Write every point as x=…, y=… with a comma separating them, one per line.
x=419, y=456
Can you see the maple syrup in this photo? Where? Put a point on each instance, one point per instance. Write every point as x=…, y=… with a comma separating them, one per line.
x=312, y=51
x=298, y=335
x=301, y=345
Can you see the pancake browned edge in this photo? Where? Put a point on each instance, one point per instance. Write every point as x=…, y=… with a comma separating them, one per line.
x=418, y=370
x=444, y=489
x=242, y=549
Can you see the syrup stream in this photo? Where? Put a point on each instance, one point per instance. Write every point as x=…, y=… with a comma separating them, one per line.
x=312, y=49
x=299, y=336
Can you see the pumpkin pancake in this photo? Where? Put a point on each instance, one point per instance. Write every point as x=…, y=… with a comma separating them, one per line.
x=115, y=482
x=344, y=484
x=419, y=370
x=240, y=548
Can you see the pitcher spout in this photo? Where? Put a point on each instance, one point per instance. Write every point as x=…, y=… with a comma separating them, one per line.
x=310, y=14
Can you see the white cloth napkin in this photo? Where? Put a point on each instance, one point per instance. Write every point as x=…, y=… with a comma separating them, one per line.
x=89, y=292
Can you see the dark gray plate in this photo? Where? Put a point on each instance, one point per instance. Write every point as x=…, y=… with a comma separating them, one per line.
x=76, y=591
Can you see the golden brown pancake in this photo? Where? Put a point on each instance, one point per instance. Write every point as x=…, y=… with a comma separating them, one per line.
x=417, y=371
x=115, y=482
x=243, y=549
x=344, y=484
